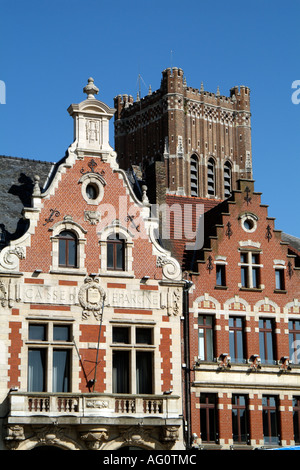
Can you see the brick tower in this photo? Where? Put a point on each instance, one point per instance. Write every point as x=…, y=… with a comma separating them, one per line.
x=190, y=141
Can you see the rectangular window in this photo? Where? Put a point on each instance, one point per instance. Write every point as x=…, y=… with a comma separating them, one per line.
x=296, y=418
x=67, y=249
x=143, y=336
x=220, y=275
x=121, y=361
x=294, y=341
x=61, y=370
x=144, y=372
x=37, y=370
x=279, y=279
x=37, y=332
x=250, y=270
x=270, y=420
x=266, y=341
x=61, y=333
x=133, y=358
x=115, y=253
x=208, y=417
x=110, y=255
x=121, y=335
x=205, y=338
x=49, y=367
x=240, y=419
x=236, y=339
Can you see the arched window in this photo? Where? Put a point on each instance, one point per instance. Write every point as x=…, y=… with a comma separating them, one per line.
x=115, y=252
x=67, y=249
x=227, y=179
x=194, y=175
x=211, y=177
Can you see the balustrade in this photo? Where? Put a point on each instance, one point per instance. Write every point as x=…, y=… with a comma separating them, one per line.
x=92, y=404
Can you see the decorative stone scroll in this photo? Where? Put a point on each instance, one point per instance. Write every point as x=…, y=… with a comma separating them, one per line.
x=91, y=297
x=10, y=256
x=171, y=269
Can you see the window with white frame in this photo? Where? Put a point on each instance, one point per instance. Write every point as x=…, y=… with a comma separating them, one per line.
x=279, y=279
x=220, y=274
x=132, y=359
x=206, y=337
x=49, y=357
x=250, y=269
x=116, y=250
x=68, y=246
x=67, y=249
x=92, y=188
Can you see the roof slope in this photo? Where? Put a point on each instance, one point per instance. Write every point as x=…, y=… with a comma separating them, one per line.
x=16, y=187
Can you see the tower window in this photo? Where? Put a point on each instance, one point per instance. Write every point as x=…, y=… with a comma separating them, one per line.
x=211, y=177
x=194, y=175
x=227, y=179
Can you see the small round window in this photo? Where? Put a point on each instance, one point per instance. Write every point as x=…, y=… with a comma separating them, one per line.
x=249, y=222
x=92, y=191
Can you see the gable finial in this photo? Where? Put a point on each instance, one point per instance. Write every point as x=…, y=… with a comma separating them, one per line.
x=90, y=89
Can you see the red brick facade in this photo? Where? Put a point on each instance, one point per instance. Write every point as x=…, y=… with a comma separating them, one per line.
x=252, y=304
x=93, y=305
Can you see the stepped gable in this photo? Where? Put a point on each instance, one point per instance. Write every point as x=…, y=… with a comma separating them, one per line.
x=185, y=208
x=214, y=211
x=17, y=178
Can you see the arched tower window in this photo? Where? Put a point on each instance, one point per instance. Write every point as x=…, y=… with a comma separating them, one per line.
x=211, y=177
x=194, y=175
x=227, y=179
x=67, y=249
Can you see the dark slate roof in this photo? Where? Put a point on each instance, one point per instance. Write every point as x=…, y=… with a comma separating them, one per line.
x=16, y=186
x=294, y=242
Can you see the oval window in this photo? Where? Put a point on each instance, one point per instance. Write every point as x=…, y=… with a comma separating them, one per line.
x=92, y=191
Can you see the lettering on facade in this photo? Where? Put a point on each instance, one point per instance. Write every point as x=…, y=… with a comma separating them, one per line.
x=90, y=296
x=43, y=294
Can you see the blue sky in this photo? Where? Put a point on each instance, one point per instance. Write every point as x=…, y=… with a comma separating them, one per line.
x=48, y=49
